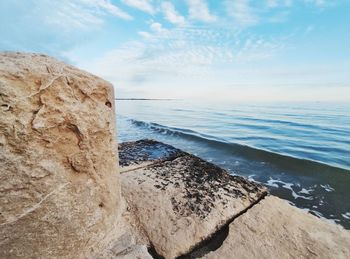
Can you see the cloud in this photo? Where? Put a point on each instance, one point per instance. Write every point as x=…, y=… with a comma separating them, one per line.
x=199, y=10
x=53, y=26
x=111, y=8
x=157, y=27
x=75, y=14
x=242, y=12
x=317, y=2
x=143, y=5
x=145, y=34
x=171, y=14
x=81, y=11
x=278, y=3
x=157, y=31
x=181, y=54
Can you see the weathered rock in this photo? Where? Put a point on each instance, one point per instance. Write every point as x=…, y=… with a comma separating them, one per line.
x=59, y=182
x=125, y=247
x=275, y=229
x=183, y=199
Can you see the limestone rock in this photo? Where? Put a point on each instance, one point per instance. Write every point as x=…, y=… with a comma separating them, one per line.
x=125, y=247
x=275, y=229
x=180, y=200
x=59, y=181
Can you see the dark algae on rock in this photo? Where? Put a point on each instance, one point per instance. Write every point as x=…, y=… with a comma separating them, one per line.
x=203, y=184
x=181, y=199
x=131, y=153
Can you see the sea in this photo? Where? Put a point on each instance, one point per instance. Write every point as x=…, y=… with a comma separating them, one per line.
x=300, y=151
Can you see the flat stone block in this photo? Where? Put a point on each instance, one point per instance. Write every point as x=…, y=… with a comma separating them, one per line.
x=180, y=199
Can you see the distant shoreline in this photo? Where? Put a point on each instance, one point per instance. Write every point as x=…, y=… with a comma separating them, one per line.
x=144, y=99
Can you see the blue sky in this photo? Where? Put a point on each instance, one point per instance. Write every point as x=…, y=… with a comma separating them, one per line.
x=263, y=50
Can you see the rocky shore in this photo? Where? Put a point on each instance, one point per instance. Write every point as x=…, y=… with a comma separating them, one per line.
x=63, y=194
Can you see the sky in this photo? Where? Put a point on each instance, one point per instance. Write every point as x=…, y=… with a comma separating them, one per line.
x=241, y=50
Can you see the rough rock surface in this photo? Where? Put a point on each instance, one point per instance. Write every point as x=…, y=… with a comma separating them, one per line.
x=275, y=229
x=59, y=181
x=125, y=247
x=180, y=200
x=138, y=154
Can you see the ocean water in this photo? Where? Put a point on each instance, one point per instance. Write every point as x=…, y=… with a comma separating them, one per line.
x=300, y=151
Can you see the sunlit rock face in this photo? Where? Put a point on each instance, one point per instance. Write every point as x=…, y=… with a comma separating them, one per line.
x=59, y=181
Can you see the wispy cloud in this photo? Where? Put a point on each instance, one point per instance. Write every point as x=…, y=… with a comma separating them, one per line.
x=109, y=7
x=76, y=14
x=143, y=5
x=241, y=11
x=171, y=14
x=188, y=52
x=199, y=10
x=185, y=42
x=318, y=2
x=278, y=3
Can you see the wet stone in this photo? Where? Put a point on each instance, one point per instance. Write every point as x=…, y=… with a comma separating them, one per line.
x=145, y=150
x=180, y=198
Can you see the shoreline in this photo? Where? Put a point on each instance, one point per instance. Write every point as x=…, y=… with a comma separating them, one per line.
x=317, y=187
x=143, y=175
x=64, y=194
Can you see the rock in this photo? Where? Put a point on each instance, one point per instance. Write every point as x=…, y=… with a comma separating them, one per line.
x=59, y=182
x=180, y=200
x=125, y=248
x=275, y=229
x=138, y=154
x=137, y=251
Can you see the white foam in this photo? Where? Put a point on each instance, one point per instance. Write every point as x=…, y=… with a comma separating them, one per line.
x=306, y=191
x=321, y=201
x=327, y=187
x=271, y=183
x=346, y=215
x=274, y=183
x=250, y=178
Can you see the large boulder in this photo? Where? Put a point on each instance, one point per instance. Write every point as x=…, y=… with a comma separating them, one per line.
x=59, y=181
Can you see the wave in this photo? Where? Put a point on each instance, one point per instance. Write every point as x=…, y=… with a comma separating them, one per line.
x=286, y=162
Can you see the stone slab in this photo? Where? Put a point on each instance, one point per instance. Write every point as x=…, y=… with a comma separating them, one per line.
x=184, y=199
x=275, y=229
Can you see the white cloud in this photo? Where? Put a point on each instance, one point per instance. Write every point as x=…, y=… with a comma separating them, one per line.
x=111, y=8
x=157, y=27
x=157, y=31
x=199, y=10
x=278, y=3
x=317, y=2
x=70, y=16
x=241, y=11
x=77, y=14
x=143, y=5
x=171, y=14
x=145, y=34
x=183, y=53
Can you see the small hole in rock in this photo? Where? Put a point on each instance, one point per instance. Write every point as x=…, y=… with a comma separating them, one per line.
x=108, y=103
x=101, y=205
